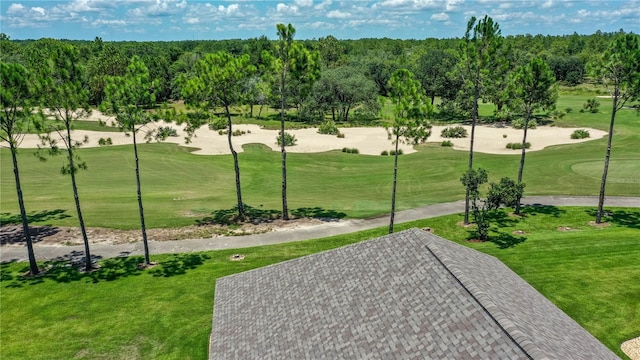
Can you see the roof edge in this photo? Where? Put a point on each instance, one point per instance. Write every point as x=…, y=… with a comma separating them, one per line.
x=490, y=307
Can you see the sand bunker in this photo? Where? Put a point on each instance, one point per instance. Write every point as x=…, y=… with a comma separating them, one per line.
x=368, y=140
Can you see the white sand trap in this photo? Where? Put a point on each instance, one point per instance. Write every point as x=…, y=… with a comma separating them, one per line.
x=368, y=140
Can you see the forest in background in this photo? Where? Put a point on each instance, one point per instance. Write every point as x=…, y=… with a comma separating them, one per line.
x=363, y=64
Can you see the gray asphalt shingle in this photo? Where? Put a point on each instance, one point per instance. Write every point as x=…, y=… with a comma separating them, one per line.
x=409, y=295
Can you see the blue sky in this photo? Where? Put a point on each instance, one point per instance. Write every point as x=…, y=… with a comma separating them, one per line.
x=153, y=20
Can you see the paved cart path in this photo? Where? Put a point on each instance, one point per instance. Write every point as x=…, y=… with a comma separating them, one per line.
x=47, y=252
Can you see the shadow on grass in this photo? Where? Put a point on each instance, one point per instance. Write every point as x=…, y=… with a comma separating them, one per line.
x=538, y=209
x=230, y=216
x=13, y=234
x=505, y=241
x=70, y=268
x=501, y=219
x=34, y=216
x=259, y=215
x=178, y=264
x=319, y=213
x=630, y=219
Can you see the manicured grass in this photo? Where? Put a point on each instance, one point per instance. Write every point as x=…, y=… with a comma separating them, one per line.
x=180, y=188
x=165, y=313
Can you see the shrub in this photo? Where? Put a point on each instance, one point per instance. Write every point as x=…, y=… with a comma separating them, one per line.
x=507, y=192
x=393, y=152
x=447, y=143
x=350, y=150
x=328, y=128
x=166, y=131
x=218, y=124
x=591, y=106
x=580, y=134
x=454, y=132
x=104, y=142
x=384, y=153
x=289, y=139
x=238, y=133
x=519, y=124
x=568, y=110
x=517, y=146
x=504, y=136
x=340, y=135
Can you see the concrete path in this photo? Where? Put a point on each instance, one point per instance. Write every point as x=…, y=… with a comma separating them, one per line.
x=47, y=252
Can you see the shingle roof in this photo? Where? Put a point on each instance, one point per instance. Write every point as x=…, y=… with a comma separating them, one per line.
x=409, y=295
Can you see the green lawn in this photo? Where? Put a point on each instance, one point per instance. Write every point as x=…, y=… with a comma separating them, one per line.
x=180, y=188
x=120, y=312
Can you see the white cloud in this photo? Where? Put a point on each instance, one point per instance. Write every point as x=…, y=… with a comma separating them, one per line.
x=440, y=17
x=454, y=5
x=547, y=4
x=323, y=5
x=410, y=4
x=117, y=22
x=229, y=10
x=15, y=9
x=158, y=8
x=337, y=14
x=39, y=10
x=286, y=9
x=304, y=3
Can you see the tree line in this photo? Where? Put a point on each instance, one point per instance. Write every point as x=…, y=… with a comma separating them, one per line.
x=327, y=81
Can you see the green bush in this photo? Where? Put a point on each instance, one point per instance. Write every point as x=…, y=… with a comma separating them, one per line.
x=393, y=152
x=384, y=153
x=454, y=132
x=328, y=128
x=517, y=146
x=592, y=106
x=166, y=131
x=580, y=134
x=447, y=143
x=350, y=150
x=104, y=142
x=289, y=139
x=218, y=124
x=238, y=132
x=340, y=135
x=519, y=124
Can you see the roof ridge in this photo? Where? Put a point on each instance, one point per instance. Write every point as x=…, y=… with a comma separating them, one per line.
x=488, y=305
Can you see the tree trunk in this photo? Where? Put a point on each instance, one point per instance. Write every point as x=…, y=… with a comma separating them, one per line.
x=260, y=111
x=33, y=265
x=251, y=109
x=147, y=260
x=236, y=167
x=76, y=198
x=603, y=183
x=522, y=156
x=433, y=99
x=285, y=210
x=393, y=191
x=474, y=118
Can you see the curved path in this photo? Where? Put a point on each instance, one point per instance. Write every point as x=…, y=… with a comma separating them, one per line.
x=47, y=252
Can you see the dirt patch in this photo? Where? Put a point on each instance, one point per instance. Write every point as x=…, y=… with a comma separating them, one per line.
x=520, y=232
x=601, y=225
x=64, y=235
x=469, y=225
x=564, y=228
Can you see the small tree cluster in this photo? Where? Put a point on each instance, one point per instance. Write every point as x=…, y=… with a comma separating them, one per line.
x=289, y=139
x=580, y=134
x=591, y=105
x=456, y=132
x=518, y=146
